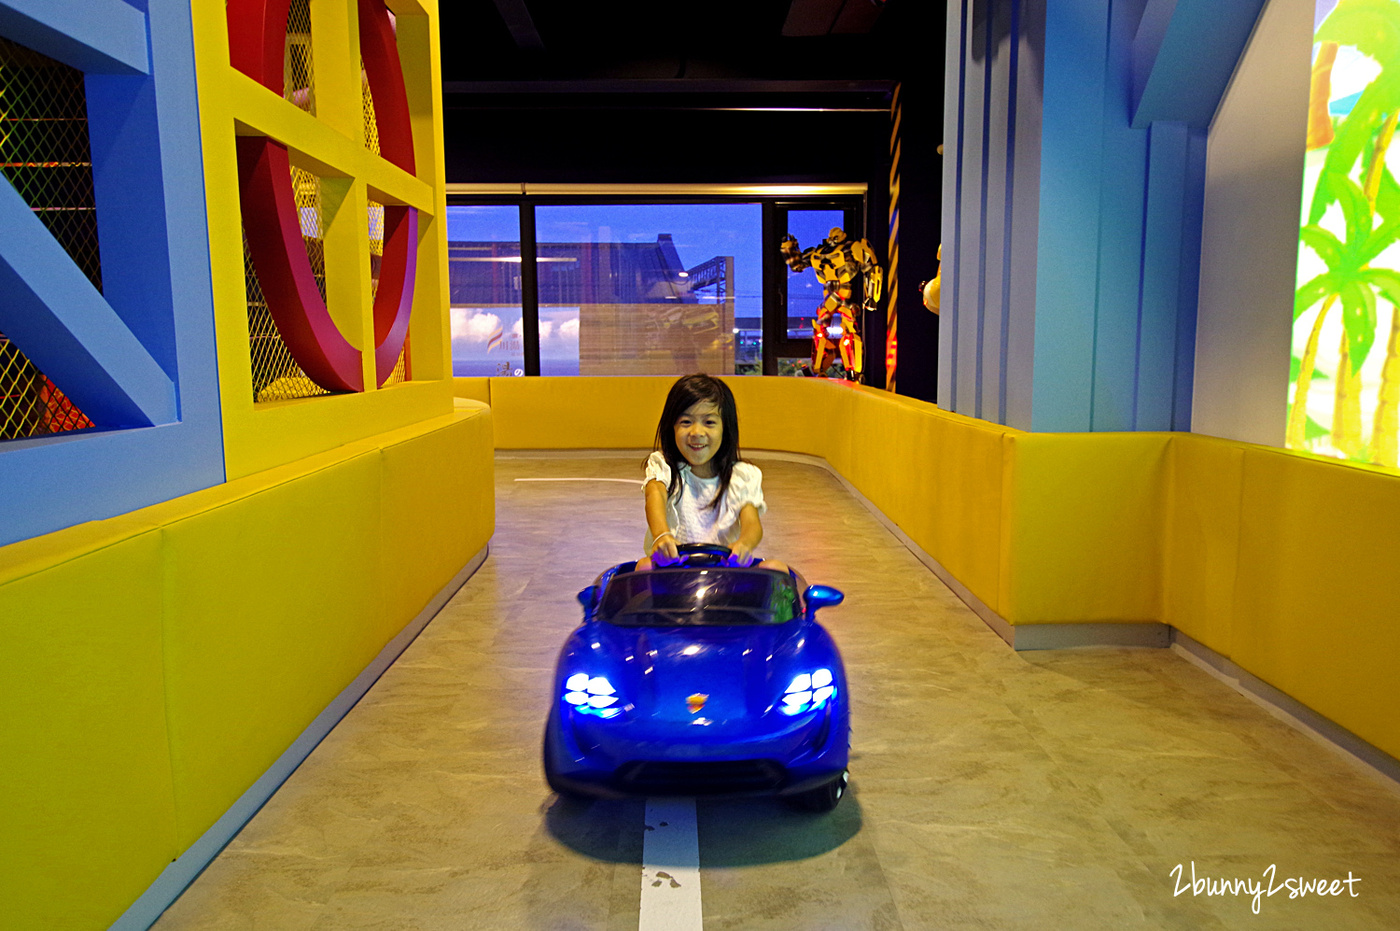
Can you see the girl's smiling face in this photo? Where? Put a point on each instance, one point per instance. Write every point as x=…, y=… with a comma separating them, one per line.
x=698, y=434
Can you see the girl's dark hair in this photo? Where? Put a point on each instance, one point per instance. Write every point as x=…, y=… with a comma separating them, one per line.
x=686, y=392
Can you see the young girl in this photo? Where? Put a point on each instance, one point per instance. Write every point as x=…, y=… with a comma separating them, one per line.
x=697, y=488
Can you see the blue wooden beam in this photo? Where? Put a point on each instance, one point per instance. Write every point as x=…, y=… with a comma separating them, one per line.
x=1184, y=53
x=100, y=36
x=55, y=315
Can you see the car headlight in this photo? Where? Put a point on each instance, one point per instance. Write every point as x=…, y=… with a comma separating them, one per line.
x=591, y=695
x=808, y=692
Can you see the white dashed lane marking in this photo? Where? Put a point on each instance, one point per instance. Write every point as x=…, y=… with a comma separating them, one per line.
x=670, y=867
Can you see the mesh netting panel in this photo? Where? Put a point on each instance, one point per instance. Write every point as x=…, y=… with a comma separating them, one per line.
x=298, y=75
x=376, y=258
x=44, y=149
x=30, y=404
x=376, y=245
x=44, y=154
x=400, y=372
x=276, y=375
x=371, y=124
x=307, y=189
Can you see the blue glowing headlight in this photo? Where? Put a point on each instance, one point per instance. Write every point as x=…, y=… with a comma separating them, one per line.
x=591, y=695
x=808, y=692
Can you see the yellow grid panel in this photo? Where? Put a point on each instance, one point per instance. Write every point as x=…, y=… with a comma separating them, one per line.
x=336, y=146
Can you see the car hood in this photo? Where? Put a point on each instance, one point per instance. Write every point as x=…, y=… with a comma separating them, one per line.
x=717, y=673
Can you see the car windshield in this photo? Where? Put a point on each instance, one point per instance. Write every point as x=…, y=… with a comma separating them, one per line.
x=705, y=597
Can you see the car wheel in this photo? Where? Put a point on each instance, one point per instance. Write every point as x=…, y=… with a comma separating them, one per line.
x=822, y=798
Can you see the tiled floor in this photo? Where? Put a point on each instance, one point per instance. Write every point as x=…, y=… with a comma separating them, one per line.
x=990, y=789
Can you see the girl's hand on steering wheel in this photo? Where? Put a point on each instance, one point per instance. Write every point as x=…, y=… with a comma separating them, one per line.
x=664, y=551
x=741, y=555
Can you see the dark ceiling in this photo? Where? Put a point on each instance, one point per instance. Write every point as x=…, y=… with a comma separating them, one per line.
x=839, y=54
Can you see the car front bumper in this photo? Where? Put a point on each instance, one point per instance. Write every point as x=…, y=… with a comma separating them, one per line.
x=772, y=756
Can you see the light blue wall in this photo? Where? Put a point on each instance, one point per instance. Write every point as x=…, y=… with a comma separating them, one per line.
x=1075, y=149
x=138, y=357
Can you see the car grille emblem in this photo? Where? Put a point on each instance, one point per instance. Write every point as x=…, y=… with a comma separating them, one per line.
x=696, y=702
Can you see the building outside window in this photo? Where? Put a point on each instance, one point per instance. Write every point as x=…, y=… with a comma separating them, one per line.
x=630, y=288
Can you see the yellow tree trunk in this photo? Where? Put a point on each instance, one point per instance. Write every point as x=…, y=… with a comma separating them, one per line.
x=1346, y=410
x=1384, y=439
x=1320, y=131
x=1298, y=413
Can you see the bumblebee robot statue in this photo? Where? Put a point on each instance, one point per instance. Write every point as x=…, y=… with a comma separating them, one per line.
x=837, y=326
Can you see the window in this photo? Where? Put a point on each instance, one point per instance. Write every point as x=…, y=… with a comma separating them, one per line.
x=633, y=288
x=484, y=290
x=649, y=289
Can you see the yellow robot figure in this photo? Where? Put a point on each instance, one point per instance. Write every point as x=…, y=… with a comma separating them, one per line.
x=837, y=326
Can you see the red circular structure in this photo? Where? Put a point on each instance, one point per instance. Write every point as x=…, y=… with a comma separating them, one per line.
x=257, y=46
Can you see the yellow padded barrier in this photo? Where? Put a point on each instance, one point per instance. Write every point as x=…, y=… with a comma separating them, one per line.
x=88, y=819
x=577, y=413
x=797, y=415
x=158, y=662
x=1081, y=537
x=272, y=607
x=474, y=389
x=954, y=495
x=433, y=521
x=1317, y=609
x=621, y=412
x=1202, y=539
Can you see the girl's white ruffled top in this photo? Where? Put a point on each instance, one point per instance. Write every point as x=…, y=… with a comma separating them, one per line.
x=688, y=513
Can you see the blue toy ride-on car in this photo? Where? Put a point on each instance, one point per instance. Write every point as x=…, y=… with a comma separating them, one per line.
x=700, y=678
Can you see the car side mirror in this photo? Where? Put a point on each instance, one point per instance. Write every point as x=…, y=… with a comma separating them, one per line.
x=589, y=598
x=822, y=596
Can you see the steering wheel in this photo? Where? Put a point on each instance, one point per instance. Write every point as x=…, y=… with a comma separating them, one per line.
x=702, y=554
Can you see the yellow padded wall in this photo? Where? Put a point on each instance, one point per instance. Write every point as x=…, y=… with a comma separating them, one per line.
x=272, y=606
x=88, y=813
x=795, y=415
x=577, y=413
x=961, y=471
x=1316, y=600
x=433, y=520
x=870, y=463
x=1202, y=539
x=475, y=389
x=1082, y=540
x=621, y=412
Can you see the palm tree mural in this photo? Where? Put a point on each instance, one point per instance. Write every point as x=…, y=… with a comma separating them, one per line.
x=1353, y=219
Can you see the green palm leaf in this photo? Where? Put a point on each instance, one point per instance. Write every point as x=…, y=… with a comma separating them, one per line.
x=1381, y=238
x=1309, y=294
x=1356, y=210
x=1358, y=319
x=1321, y=241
